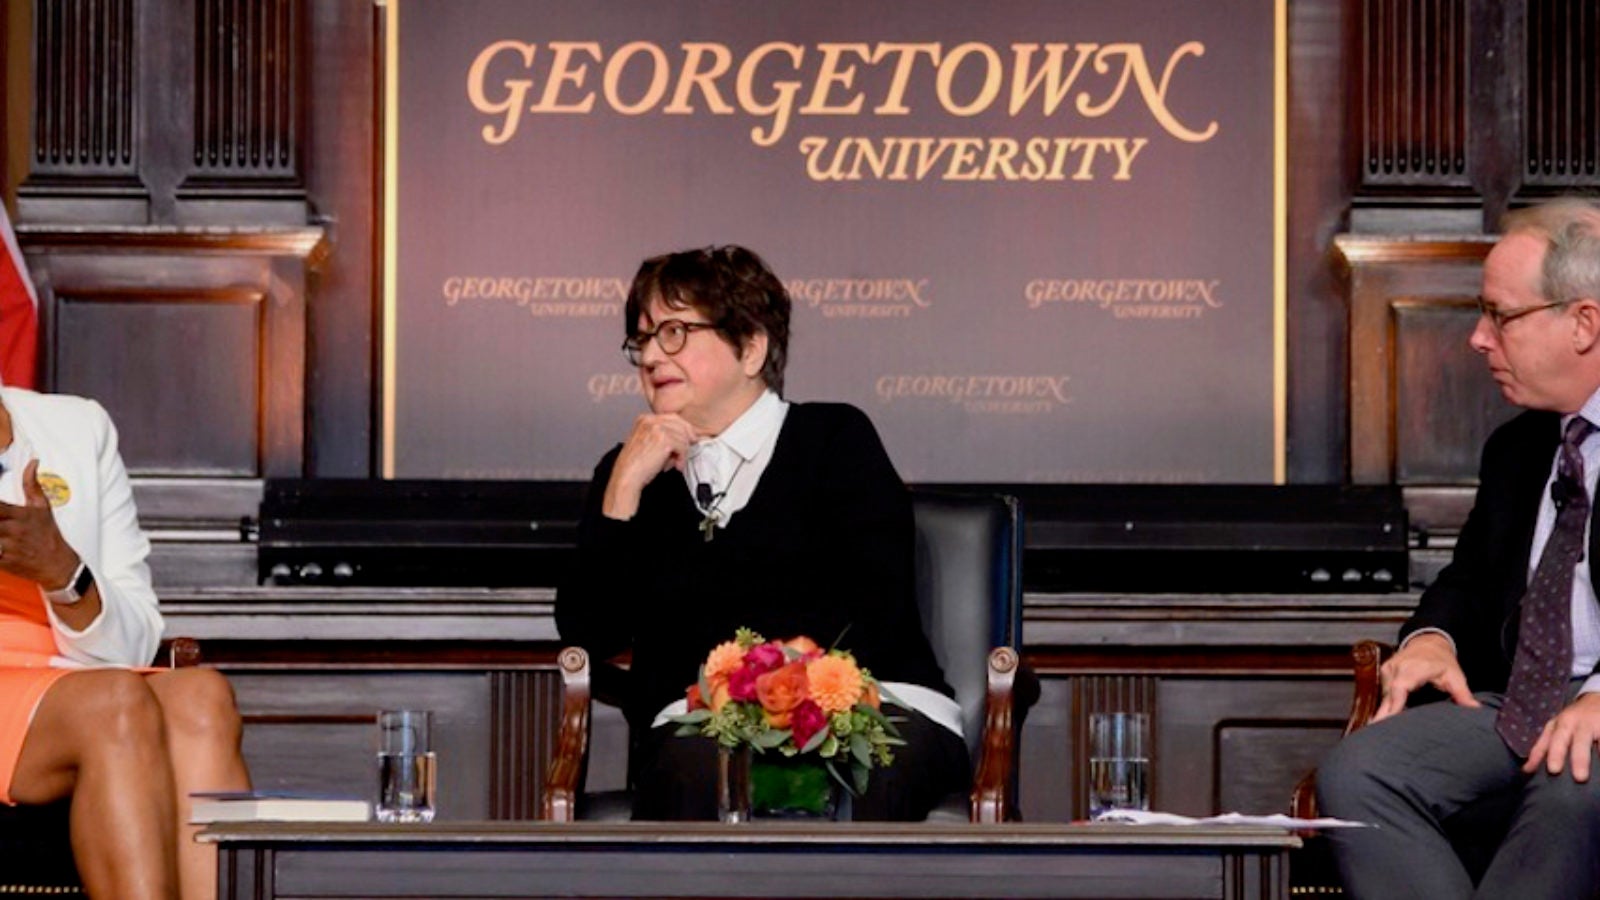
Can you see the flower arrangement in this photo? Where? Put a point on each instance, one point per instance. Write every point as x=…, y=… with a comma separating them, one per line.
x=794, y=698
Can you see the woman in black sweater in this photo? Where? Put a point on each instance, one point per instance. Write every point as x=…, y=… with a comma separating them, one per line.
x=726, y=506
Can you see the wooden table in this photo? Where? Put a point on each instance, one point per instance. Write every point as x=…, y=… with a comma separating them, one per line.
x=265, y=861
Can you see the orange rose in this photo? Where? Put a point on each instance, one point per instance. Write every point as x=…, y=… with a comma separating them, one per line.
x=724, y=658
x=804, y=646
x=836, y=682
x=693, y=699
x=719, y=696
x=780, y=691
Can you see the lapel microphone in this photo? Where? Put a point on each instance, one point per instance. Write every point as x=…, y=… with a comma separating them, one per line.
x=702, y=495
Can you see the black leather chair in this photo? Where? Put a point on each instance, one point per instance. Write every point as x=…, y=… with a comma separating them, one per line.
x=35, y=852
x=969, y=593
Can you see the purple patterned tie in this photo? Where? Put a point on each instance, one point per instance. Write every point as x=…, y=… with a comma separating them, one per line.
x=1543, y=663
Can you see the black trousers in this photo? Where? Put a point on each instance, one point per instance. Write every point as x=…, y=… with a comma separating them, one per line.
x=675, y=778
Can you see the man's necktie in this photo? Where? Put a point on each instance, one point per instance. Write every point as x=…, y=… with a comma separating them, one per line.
x=1543, y=664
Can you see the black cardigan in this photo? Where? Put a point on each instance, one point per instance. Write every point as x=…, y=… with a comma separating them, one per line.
x=823, y=548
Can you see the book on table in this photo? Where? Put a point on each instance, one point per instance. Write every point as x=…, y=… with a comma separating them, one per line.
x=275, y=806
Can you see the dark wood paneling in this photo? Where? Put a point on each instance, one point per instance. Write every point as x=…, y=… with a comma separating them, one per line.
x=1561, y=114
x=314, y=730
x=84, y=73
x=246, y=112
x=1414, y=93
x=193, y=339
x=1445, y=404
x=198, y=360
x=1254, y=758
x=1384, y=271
x=1196, y=758
x=520, y=740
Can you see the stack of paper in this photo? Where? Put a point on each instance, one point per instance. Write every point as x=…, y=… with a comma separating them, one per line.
x=274, y=806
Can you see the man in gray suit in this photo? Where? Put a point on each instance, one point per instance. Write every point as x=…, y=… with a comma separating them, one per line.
x=1510, y=631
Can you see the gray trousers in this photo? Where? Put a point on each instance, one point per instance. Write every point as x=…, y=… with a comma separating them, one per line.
x=1409, y=773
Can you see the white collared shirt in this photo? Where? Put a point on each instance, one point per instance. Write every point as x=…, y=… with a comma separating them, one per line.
x=732, y=463
x=1585, y=607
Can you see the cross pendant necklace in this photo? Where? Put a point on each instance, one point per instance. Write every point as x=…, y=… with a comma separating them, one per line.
x=708, y=505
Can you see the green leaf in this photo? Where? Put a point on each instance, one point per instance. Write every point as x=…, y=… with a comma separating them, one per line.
x=694, y=717
x=858, y=774
x=767, y=740
x=834, y=771
x=861, y=749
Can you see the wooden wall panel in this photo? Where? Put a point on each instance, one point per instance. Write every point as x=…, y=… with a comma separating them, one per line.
x=1414, y=97
x=197, y=361
x=194, y=339
x=1203, y=750
x=1383, y=272
x=315, y=731
x=84, y=69
x=1445, y=403
x=1561, y=112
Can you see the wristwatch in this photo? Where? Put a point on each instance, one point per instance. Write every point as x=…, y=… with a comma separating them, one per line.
x=82, y=580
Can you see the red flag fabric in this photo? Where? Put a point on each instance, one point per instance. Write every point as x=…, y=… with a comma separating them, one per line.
x=19, y=313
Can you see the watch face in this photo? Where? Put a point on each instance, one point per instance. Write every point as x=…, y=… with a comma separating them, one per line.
x=83, y=582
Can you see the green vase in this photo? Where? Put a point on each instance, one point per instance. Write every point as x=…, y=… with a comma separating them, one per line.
x=792, y=787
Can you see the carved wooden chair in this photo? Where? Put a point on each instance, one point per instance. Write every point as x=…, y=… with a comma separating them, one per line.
x=35, y=851
x=969, y=593
x=1475, y=831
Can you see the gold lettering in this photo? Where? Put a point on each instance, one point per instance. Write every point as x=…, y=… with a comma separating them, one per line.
x=562, y=72
x=1023, y=86
x=511, y=106
x=780, y=107
x=659, y=76
x=692, y=77
x=830, y=74
x=906, y=56
x=991, y=79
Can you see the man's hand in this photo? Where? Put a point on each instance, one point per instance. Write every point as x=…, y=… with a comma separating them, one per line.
x=1571, y=734
x=30, y=544
x=1425, y=659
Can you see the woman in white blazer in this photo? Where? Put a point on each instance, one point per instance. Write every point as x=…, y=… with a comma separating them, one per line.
x=80, y=715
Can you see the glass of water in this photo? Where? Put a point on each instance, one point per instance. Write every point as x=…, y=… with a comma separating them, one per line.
x=1119, y=762
x=405, y=766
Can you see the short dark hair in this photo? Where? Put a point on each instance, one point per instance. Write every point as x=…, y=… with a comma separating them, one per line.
x=731, y=286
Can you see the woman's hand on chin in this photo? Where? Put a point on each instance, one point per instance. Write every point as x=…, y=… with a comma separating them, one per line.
x=656, y=443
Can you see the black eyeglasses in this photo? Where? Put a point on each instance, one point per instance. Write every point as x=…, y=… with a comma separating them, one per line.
x=1498, y=318
x=670, y=336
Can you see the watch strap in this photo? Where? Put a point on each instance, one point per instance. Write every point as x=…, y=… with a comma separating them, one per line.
x=73, y=593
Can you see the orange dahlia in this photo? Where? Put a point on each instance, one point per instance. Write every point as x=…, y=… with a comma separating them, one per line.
x=724, y=659
x=836, y=682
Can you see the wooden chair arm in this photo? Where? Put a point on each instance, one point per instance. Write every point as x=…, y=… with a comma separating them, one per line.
x=991, y=784
x=1366, y=659
x=563, y=781
x=181, y=653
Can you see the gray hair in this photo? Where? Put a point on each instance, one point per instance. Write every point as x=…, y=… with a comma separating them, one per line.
x=1570, y=227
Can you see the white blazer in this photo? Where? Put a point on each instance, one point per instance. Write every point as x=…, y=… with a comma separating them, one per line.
x=76, y=445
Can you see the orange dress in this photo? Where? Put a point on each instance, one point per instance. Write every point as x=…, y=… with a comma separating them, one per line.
x=27, y=645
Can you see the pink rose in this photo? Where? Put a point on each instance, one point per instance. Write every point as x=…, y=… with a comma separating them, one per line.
x=806, y=720
x=764, y=658
x=742, y=683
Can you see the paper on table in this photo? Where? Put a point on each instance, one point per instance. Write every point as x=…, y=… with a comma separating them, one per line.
x=1277, y=820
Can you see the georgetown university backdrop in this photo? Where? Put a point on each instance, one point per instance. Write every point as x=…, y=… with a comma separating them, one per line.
x=1034, y=239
